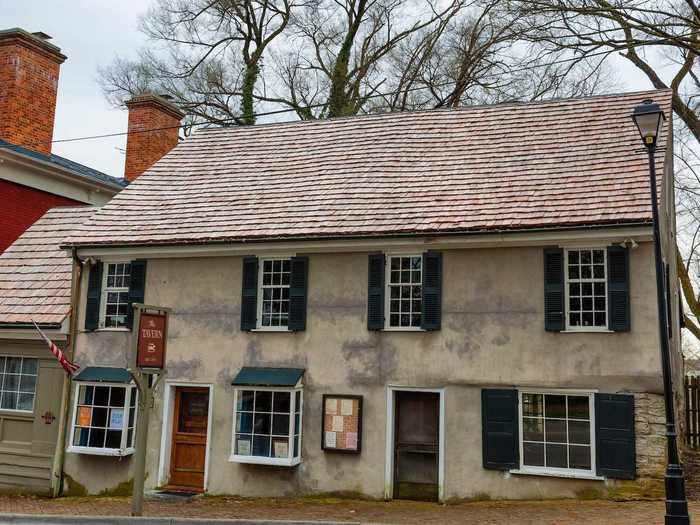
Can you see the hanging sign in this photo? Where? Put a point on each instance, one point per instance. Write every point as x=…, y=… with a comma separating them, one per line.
x=150, y=350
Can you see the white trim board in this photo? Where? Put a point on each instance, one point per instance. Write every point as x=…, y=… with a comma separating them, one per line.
x=641, y=233
x=167, y=426
x=389, y=451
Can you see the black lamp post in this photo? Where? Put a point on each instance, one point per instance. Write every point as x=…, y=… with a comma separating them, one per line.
x=648, y=117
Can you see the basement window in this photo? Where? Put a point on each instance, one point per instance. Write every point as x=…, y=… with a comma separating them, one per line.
x=104, y=416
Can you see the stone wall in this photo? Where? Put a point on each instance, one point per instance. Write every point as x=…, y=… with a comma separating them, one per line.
x=650, y=427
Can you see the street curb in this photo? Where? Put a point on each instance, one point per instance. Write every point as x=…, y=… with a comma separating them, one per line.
x=54, y=519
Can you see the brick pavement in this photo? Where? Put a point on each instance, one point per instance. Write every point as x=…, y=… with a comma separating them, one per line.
x=559, y=512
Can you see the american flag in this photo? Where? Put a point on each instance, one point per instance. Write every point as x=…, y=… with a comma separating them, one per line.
x=69, y=367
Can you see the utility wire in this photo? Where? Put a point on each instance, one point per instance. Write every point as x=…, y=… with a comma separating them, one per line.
x=287, y=110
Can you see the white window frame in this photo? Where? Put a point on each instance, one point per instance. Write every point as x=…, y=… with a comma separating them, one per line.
x=387, y=293
x=103, y=297
x=36, y=384
x=289, y=461
x=568, y=327
x=101, y=451
x=554, y=471
x=258, y=322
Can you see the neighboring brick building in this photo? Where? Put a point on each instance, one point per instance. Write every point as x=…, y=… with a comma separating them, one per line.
x=32, y=179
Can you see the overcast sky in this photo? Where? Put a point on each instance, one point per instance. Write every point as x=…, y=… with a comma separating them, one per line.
x=91, y=33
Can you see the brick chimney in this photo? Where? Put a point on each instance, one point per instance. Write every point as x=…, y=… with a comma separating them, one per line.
x=29, y=67
x=145, y=148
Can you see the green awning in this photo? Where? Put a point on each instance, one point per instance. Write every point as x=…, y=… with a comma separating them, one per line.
x=263, y=376
x=103, y=374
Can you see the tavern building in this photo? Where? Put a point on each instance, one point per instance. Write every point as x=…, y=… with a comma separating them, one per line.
x=434, y=304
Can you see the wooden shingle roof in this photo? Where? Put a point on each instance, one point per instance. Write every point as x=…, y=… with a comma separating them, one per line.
x=561, y=163
x=35, y=274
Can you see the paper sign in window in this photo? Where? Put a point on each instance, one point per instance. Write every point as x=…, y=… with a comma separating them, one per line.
x=280, y=448
x=84, y=416
x=244, y=447
x=116, y=418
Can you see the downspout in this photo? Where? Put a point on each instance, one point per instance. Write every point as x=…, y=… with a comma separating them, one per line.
x=60, y=453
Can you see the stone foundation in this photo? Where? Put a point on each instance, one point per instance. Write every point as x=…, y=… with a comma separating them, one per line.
x=650, y=429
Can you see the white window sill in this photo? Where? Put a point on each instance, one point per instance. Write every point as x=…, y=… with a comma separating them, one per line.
x=114, y=329
x=271, y=329
x=93, y=451
x=403, y=329
x=259, y=460
x=587, y=331
x=554, y=473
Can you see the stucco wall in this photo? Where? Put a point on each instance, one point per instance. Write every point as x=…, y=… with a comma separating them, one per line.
x=492, y=335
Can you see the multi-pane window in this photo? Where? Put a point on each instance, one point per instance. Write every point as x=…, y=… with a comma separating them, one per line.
x=556, y=431
x=115, y=297
x=267, y=426
x=274, y=292
x=586, y=288
x=17, y=383
x=404, y=281
x=104, y=419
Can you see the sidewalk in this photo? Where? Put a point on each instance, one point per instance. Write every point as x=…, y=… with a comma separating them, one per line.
x=559, y=512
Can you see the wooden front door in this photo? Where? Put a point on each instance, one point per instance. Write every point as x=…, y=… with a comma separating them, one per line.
x=189, y=440
x=416, y=445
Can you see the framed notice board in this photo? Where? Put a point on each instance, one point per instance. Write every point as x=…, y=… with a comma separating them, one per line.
x=342, y=424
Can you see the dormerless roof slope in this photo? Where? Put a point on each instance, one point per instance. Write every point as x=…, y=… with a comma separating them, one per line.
x=35, y=274
x=562, y=163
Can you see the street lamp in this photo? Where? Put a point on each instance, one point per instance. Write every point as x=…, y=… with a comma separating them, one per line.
x=648, y=117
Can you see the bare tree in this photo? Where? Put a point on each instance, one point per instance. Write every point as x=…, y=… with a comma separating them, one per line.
x=342, y=48
x=661, y=39
x=207, y=54
x=483, y=57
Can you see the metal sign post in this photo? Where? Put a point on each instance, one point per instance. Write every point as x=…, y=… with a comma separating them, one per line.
x=148, y=344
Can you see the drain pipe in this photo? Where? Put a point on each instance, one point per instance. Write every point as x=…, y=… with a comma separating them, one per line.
x=60, y=452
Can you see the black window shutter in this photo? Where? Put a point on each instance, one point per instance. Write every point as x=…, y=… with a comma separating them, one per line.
x=249, y=299
x=614, y=435
x=137, y=288
x=499, y=427
x=618, y=289
x=94, y=294
x=432, y=291
x=554, y=290
x=375, y=293
x=298, y=283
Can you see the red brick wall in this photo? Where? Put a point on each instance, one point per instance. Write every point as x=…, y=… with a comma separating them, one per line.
x=28, y=86
x=21, y=207
x=143, y=149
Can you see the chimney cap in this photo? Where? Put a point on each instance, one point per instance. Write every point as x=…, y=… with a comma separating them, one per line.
x=42, y=35
x=38, y=41
x=164, y=102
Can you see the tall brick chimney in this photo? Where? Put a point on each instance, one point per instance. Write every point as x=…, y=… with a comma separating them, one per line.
x=29, y=67
x=145, y=148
